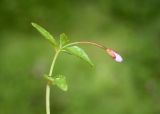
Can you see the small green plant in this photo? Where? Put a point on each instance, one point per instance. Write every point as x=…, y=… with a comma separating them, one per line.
x=64, y=45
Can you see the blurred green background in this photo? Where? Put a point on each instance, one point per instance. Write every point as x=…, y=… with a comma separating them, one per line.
x=131, y=27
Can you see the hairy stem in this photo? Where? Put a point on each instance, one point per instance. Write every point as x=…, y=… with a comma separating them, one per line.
x=48, y=84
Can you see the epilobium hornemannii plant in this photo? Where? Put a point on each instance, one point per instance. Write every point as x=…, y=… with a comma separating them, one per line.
x=64, y=45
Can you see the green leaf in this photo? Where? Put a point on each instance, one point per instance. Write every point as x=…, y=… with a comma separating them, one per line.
x=45, y=33
x=79, y=52
x=60, y=81
x=63, y=39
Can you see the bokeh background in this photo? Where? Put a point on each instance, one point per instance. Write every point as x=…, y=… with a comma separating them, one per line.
x=131, y=27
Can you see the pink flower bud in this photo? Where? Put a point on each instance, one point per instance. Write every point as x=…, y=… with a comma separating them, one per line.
x=114, y=55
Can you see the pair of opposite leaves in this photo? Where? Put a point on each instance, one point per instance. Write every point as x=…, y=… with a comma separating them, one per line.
x=60, y=80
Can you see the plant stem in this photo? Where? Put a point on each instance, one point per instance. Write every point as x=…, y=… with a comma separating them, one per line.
x=48, y=84
x=47, y=99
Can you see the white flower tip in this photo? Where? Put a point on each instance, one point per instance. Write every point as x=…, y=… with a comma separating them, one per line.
x=118, y=58
x=114, y=55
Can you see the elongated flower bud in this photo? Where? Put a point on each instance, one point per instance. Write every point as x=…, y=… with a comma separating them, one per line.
x=114, y=55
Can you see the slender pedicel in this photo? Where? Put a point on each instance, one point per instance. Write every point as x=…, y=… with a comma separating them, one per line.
x=86, y=42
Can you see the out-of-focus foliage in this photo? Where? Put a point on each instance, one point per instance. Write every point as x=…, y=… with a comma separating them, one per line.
x=130, y=27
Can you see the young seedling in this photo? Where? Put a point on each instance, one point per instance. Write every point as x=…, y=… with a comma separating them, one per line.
x=64, y=45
